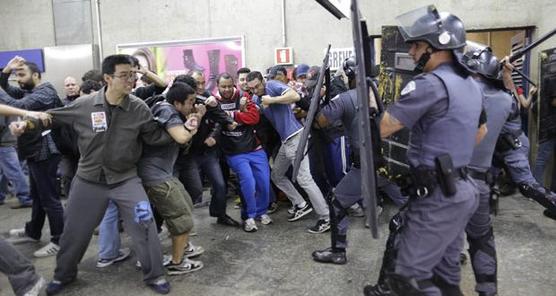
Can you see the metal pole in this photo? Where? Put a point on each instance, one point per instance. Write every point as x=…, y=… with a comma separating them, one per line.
x=284, y=23
x=99, y=29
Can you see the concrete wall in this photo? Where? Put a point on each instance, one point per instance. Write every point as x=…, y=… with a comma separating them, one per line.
x=309, y=28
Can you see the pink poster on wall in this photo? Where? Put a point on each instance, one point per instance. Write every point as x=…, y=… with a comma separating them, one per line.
x=172, y=58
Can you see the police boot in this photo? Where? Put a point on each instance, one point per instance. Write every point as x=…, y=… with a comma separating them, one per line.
x=446, y=288
x=540, y=194
x=376, y=290
x=330, y=255
x=402, y=286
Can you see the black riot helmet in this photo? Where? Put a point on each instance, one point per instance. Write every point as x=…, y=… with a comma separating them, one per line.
x=441, y=30
x=349, y=65
x=479, y=59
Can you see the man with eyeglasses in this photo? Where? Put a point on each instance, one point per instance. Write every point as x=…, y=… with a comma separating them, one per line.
x=112, y=127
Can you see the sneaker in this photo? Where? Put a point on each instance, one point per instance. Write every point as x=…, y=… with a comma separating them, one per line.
x=192, y=251
x=186, y=266
x=160, y=286
x=291, y=210
x=166, y=260
x=265, y=219
x=123, y=254
x=49, y=250
x=249, y=225
x=273, y=207
x=300, y=212
x=54, y=287
x=321, y=226
x=17, y=236
x=356, y=211
x=37, y=287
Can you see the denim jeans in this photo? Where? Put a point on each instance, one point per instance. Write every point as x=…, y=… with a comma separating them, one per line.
x=12, y=172
x=254, y=178
x=546, y=150
x=46, y=202
x=189, y=169
x=108, y=234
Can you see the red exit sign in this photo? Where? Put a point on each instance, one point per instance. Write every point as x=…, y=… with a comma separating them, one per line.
x=283, y=56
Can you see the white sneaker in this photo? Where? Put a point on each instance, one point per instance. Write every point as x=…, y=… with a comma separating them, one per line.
x=166, y=259
x=36, y=289
x=265, y=219
x=249, y=225
x=49, y=250
x=18, y=236
x=193, y=251
x=122, y=255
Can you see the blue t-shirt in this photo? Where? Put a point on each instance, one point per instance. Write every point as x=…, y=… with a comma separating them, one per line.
x=280, y=115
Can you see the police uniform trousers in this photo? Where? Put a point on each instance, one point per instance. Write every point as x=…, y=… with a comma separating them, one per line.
x=86, y=206
x=348, y=193
x=432, y=237
x=481, y=243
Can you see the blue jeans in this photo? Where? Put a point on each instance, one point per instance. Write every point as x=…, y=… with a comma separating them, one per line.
x=189, y=169
x=546, y=150
x=109, y=235
x=253, y=173
x=11, y=171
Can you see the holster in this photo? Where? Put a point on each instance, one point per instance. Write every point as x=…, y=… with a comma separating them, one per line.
x=507, y=142
x=421, y=181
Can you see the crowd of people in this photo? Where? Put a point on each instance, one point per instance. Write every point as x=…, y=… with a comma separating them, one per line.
x=140, y=155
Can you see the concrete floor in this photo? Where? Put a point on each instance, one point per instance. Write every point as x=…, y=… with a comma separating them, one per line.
x=276, y=260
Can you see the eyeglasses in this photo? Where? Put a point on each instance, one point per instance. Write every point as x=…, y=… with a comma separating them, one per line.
x=130, y=76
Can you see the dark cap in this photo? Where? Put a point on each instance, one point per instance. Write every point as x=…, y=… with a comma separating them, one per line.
x=301, y=69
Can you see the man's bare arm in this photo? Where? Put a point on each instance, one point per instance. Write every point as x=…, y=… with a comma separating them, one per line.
x=389, y=125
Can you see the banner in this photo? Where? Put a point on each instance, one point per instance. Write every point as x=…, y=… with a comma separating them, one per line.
x=171, y=58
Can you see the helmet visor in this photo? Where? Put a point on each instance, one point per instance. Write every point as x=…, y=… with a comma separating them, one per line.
x=418, y=22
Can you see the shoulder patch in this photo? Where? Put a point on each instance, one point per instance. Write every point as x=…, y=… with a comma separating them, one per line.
x=408, y=88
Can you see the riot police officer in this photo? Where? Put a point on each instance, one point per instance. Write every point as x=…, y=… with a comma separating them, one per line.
x=497, y=104
x=441, y=107
x=512, y=150
x=348, y=191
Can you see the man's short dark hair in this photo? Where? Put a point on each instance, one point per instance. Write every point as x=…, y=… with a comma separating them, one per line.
x=187, y=79
x=93, y=74
x=109, y=63
x=179, y=92
x=273, y=71
x=33, y=68
x=243, y=70
x=254, y=75
x=224, y=75
x=89, y=86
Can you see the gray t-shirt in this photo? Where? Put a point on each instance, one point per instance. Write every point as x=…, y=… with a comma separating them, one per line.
x=342, y=107
x=157, y=162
